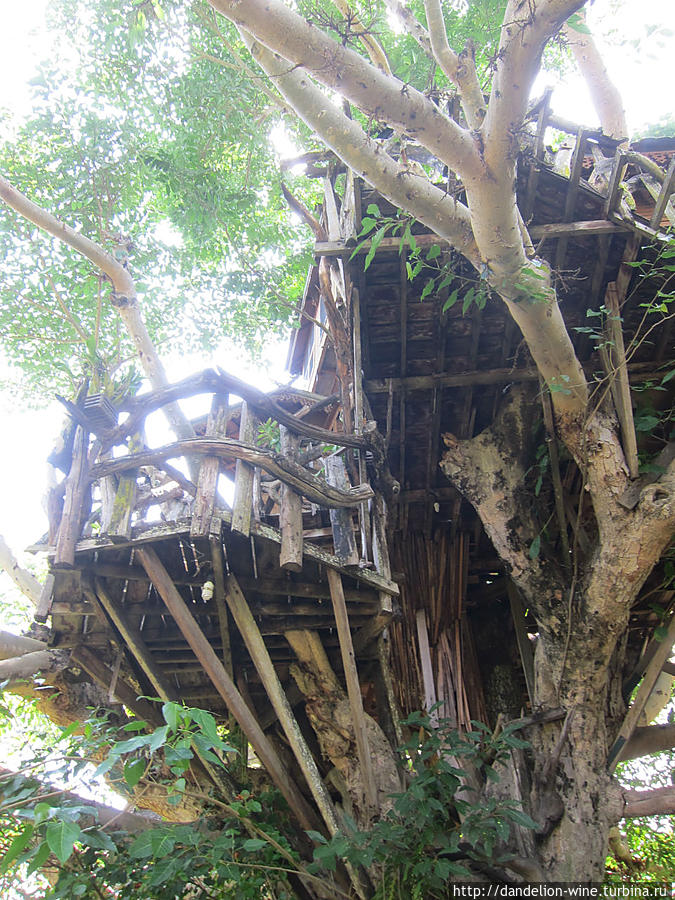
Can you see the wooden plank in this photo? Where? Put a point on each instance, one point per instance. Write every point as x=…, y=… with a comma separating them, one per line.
x=427, y=668
x=226, y=688
x=353, y=688
x=572, y=193
x=652, y=672
x=98, y=595
x=219, y=595
x=242, y=505
x=522, y=639
x=265, y=668
x=359, y=416
x=662, y=200
x=576, y=229
x=209, y=470
x=290, y=514
x=76, y=487
x=44, y=605
x=615, y=180
x=267, y=586
x=125, y=497
x=125, y=693
x=344, y=542
x=619, y=375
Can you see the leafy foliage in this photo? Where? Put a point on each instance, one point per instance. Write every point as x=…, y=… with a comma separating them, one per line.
x=432, y=832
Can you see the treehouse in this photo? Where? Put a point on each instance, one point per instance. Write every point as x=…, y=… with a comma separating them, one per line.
x=316, y=549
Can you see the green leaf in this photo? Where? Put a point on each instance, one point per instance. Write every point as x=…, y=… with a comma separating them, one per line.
x=374, y=244
x=253, y=844
x=155, y=842
x=316, y=836
x=452, y=299
x=40, y=858
x=171, y=713
x=61, y=837
x=373, y=210
x=428, y=288
x=576, y=23
x=66, y=733
x=535, y=547
x=434, y=252
x=133, y=771
x=468, y=300
x=17, y=847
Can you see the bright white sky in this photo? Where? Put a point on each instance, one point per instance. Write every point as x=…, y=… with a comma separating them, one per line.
x=642, y=71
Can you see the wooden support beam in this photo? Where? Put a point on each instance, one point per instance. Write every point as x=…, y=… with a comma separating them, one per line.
x=661, y=653
x=98, y=595
x=242, y=504
x=344, y=542
x=76, y=487
x=261, y=659
x=619, y=376
x=427, y=668
x=290, y=514
x=209, y=470
x=522, y=639
x=535, y=165
x=571, y=196
x=103, y=675
x=219, y=594
x=663, y=199
x=125, y=497
x=44, y=605
x=226, y=688
x=353, y=687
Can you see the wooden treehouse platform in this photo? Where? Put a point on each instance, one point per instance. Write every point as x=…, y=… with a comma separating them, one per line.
x=158, y=587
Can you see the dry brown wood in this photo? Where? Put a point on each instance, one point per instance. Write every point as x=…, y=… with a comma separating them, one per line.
x=261, y=659
x=290, y=472
x=344, y=543
x=207, y=483
x=619, y=374
x=242, y=505
x=99, y=596
x=225, y=686
x=219, y=595
x=264, y=405
x=290, y=515
x=661, y=654
x=636, y=372
x=552, y=445
x=522, y=637
x=76, y=487
x=427, y=668
x=572, y=192
x=125, y=693
x=353, y=688
x=125, y=497
x=44, y=605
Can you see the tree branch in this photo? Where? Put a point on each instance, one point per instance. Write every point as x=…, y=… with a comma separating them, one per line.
x=430, y=205
x=460, y=68
x=606, y=98
x=12, y=645
x=26, y=582
x=414, y=27
x=123, y=297
x=384, y=97
x=649, y=739
x=657, y=802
